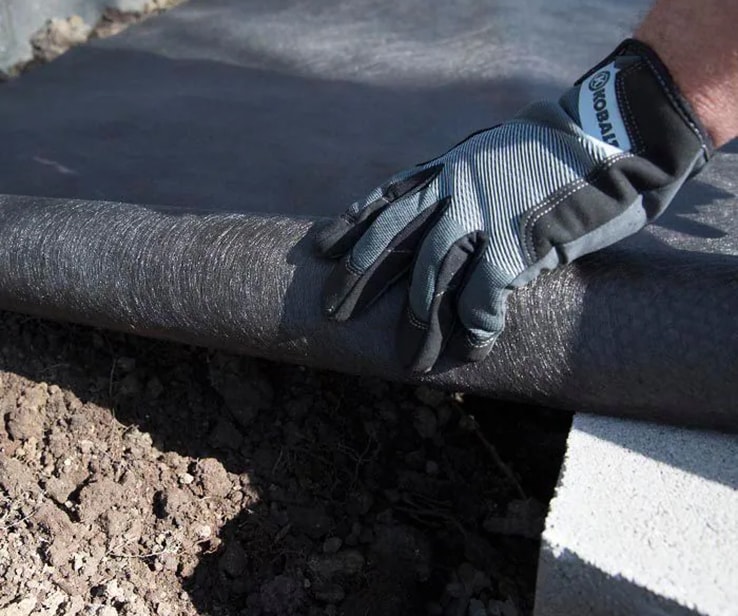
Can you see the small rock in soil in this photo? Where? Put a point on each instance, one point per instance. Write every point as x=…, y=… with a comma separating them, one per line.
x=476, y=608
x=429, y=396
x=331, y=593
x=456, y=607
x=332, y=545
x=359, y=503
x=24, y=423
x=34, y=399
x=502, y=608
x=312, y=521
x=245, y=389
x=283, y=595
x=331, y=567
x=472, y=579
x=456, y=590
x=425, y=422
x=431, y=468
x=154, y=388
x=524, y=518
x=434, y=609
x=403, y=550
x=96, y=497
x=225, y=435
x=233, y=560
x=21, y=607
x=480, y=552
x=415, y=460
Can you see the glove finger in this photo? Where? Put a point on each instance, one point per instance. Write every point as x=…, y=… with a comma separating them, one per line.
x=430, y=316
x=481, y=307
x=351, y=288
x=338, y=237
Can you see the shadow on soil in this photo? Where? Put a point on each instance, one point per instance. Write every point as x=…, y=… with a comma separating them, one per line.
x=403, y=477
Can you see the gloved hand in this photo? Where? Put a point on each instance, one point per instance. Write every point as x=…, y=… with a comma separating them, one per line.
x=559, y=180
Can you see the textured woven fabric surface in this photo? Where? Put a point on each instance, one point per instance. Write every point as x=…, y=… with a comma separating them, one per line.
x=136, y=174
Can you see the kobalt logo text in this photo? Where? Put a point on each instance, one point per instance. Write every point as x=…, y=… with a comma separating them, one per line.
x=599, y=102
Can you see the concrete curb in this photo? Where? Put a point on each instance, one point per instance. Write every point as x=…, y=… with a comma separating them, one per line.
x=644, y=521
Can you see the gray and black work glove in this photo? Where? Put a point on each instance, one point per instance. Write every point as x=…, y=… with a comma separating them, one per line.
x=559, y=180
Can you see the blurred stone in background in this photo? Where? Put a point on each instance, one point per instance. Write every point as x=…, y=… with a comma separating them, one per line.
x=40, y=30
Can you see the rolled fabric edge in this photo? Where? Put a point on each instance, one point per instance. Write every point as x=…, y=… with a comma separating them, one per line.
x=642, y=333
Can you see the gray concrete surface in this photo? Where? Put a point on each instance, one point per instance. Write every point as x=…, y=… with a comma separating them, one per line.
x=20, y=19
x=644, y=521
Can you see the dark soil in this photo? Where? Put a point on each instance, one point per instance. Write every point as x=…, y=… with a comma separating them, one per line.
x=142, y=477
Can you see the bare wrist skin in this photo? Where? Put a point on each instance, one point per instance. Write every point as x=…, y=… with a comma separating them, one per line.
x=697, y=42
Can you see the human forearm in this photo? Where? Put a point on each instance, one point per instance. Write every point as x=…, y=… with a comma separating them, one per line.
x=698, y=43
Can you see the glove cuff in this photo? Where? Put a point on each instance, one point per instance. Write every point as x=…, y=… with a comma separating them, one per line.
x=630, y=101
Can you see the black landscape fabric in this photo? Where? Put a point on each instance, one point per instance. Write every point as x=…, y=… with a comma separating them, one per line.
x=167, y=182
